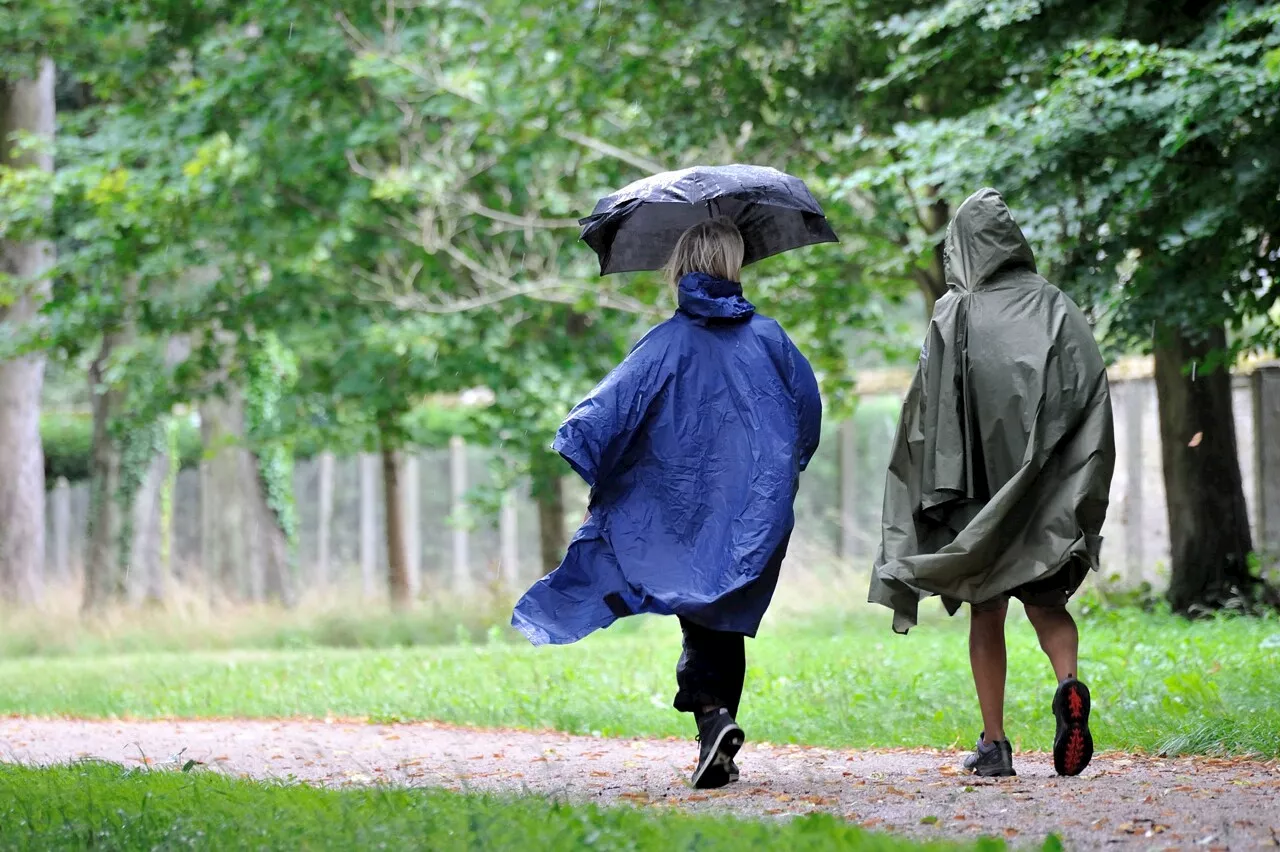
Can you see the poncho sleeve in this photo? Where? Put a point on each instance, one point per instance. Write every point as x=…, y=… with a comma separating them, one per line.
x=596, y=434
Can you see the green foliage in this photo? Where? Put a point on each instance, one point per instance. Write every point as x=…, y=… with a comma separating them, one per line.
x=105, y=806
x=68, y=440
x=826, y=680
x=1134, y=147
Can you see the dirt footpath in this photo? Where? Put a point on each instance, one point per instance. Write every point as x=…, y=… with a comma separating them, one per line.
x=1121, y=801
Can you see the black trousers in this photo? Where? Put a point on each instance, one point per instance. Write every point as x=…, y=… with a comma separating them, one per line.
x=711, y=670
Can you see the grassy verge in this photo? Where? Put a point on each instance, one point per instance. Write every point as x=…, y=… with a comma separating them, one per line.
x=1160, y=684
x=59, y=629
x=101, y=806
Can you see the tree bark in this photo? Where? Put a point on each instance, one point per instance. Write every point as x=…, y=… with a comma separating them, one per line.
x=248, y=555
x=552, y=535
x=1208, y=521
x=104, y=570
x=25, y=106
x=398, y=585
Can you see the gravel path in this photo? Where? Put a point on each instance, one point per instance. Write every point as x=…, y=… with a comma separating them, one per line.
x=1122, y=801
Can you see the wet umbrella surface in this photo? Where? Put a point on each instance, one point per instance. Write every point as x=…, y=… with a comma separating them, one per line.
x=637, y=227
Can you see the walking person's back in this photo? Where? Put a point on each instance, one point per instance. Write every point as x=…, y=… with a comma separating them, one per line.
x=1001, y=469
x=693, y=448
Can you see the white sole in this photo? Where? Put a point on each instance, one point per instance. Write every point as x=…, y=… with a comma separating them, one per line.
x=724, y=749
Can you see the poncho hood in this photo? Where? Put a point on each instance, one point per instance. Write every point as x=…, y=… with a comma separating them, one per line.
x=983, y=240
x=707, y=297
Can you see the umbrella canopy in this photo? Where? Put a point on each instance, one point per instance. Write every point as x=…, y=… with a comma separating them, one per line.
x=637, y=227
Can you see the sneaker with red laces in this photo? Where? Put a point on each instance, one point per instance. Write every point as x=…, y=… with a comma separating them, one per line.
x=1073, y=743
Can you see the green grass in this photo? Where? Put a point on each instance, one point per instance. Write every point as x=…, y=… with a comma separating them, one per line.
x=1159, y=684
x=59, y=629
x=101, y=806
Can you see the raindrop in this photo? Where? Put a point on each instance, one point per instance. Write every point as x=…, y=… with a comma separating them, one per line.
x=1193, y=370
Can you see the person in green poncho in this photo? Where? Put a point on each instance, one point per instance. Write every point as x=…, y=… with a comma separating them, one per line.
x=999, y=478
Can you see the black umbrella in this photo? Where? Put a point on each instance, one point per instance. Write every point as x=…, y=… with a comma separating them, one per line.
x=637, y=227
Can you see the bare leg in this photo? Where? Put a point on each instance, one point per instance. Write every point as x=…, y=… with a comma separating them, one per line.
x=989, y=662
x=1059, y=638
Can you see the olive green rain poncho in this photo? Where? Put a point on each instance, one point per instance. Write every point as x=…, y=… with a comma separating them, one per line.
x=1002, y=463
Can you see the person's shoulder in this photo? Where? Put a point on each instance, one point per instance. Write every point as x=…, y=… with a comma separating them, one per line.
x=766, y=326
x=1058, y=296
x=668, y=335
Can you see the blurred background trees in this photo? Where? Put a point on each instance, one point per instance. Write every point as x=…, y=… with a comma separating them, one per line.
x=269, y=230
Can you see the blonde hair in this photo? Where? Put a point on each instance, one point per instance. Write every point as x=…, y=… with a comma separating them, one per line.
x=714, y=246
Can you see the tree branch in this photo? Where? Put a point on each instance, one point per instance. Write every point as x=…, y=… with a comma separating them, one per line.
x=602, y=147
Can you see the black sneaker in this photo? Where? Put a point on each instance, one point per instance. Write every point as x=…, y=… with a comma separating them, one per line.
x=733, y=772
x=1073, y=743
x=721, y=738
x=994, y=762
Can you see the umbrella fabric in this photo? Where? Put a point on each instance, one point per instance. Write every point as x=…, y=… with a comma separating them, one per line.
x=693, y=448
x=1002, y=464
x=637, y=227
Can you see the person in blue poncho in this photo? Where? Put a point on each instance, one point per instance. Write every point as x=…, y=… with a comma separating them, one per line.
x=693, y=447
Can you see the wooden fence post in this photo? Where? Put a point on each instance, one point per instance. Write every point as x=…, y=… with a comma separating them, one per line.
x=61, y=530
x=848, y=454
x=509, y=540
x=368, y=524
x=1266, y=438
x=208, y=548
x=410, y=491
x=1133, y=403
x=324, y=521
x=461, y=536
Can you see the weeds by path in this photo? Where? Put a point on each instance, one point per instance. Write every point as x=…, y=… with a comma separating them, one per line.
x=1160, y=684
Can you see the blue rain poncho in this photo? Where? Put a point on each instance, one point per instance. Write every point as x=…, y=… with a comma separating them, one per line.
x=693, y=448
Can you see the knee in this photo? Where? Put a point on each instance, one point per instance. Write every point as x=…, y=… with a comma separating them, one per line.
x=1042, y=615
x=988, y=617
x=1045, y=617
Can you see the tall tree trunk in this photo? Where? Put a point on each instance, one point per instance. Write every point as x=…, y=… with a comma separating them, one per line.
x=25, y=106
x=104, y=570
x=1208, y=521
x=397, y=558
x=553, y=538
